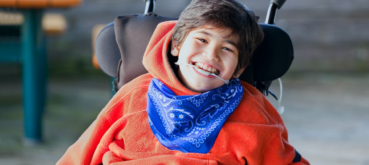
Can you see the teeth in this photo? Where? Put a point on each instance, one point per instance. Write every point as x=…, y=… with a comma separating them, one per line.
x=213, y=70
x=200, y=64
x=206, y=68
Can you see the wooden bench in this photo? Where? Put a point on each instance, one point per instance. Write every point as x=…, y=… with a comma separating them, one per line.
x=52, y=24
x=37, y=4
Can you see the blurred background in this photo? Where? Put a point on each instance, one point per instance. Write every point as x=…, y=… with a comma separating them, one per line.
x=325, y=92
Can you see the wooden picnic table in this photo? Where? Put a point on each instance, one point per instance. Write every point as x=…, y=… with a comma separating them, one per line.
x=31, y=52
x=39, y=4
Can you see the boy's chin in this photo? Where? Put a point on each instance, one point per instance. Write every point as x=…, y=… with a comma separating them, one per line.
x=206, y=86
x=200, y=84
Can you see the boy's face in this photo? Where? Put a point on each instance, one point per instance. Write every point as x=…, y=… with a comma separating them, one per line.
x=210, y=49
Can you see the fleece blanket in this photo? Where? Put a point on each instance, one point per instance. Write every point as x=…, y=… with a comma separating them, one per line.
x=254, y=134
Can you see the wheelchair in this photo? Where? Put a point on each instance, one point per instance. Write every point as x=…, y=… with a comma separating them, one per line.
x=120, y=45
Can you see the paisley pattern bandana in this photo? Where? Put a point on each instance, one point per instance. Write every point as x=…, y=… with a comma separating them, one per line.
x=190, y=123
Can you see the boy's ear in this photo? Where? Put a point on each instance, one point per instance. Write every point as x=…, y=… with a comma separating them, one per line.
x=174, y=50
x=238, y=74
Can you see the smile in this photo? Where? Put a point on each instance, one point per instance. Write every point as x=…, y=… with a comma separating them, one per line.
x=204, y=73
x=203, y=68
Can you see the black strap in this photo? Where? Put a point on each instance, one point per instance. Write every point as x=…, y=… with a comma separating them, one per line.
x=297, y=157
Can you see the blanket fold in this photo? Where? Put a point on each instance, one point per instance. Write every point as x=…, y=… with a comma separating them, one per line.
x=254, y=133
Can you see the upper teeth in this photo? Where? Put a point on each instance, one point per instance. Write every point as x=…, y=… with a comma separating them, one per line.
x=206, y=68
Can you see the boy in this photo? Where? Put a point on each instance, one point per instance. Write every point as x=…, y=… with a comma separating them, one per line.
x=191, y=108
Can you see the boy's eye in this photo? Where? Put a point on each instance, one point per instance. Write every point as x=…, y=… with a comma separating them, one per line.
x=202, y=40
x=225, y=48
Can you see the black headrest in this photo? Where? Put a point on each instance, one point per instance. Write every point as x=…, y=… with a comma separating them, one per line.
x=274, y=55
x=129, y=35
x=107, y=50
x=132, y=33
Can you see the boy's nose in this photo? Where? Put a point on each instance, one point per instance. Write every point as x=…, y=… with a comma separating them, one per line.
x=211, y=54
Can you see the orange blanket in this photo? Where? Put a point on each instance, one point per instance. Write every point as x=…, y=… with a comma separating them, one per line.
x=254, y=134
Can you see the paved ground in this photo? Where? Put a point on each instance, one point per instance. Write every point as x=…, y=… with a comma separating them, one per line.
x=327, y=117
x=326, y=114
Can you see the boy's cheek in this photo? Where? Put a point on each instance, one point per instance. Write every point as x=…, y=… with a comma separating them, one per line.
x=238, y=73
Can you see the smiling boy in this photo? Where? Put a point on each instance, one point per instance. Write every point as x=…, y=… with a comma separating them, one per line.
x=211, y=49
x=191, y=108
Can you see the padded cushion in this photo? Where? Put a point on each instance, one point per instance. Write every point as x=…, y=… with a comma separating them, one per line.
x=274, y=55
x=133, y=33
x=107, y=50
x=128, y=38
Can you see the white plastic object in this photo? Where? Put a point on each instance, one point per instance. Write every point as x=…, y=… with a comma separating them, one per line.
x=203, y=72
x=280, y=107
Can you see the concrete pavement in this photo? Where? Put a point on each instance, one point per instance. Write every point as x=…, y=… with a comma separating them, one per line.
x=327, y=116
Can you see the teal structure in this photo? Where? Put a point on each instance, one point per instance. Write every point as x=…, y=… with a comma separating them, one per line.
x=30, y=50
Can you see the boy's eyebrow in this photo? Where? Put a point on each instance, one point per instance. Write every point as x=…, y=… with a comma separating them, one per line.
x=231, y=42
x=228, y=41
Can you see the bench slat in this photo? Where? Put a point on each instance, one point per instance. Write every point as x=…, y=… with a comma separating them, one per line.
x=39, y=3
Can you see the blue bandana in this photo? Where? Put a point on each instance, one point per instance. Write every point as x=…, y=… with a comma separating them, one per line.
x=190, y=123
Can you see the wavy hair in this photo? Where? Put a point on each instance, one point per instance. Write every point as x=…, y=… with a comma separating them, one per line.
x=222, y=14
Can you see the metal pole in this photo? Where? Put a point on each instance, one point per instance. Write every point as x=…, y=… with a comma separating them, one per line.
x=272, y=10
x=150, y=6
x=34, y=75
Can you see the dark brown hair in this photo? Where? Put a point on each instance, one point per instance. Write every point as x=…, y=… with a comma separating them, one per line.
x=222, y=14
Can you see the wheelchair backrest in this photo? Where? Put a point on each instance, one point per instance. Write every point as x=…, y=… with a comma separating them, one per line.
x=121, y=44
